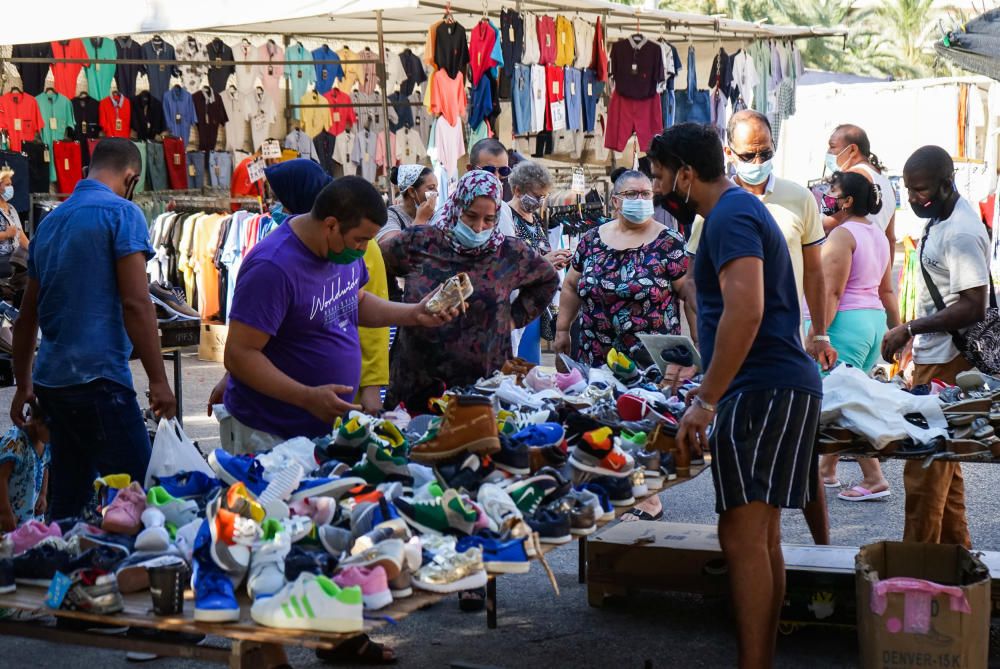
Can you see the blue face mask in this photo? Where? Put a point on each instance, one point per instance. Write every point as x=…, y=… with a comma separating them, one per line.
x=8, y=193
x=831, y=161
x=637, y=211
x=469, y=238
x=753, y=174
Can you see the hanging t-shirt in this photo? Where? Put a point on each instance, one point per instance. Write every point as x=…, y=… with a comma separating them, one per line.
x=20, y=117
x=116, y=116
x=236, y=127
x=301, y=74
x=155, y=51
x=100, y=75
x=409, y=147
x=511, y=39
x=367, y=79
x=87, y=113
x=448, y=98
x=127, y=48
x=449, y=145
x=339, y=117
x=326, y=73
x=246, y=75
x=218, y=75
x=547, y=48
x=32, y=74
x=193, y=75
x=261, y=114
x=480, y=49
x=314, y=119
x=353, y=72
x=178, y=113
x=637, y=67
x=211, y=113
x=271, y=73
x=147, y=116
x=413, y=70
x=451, y=48
x=64, y=75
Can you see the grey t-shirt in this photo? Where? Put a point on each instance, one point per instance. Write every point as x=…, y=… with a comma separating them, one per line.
x=396, y=221
x=956, y=254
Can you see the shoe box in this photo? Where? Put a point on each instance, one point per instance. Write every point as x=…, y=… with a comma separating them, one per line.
x=212, y=345
x=179, y=334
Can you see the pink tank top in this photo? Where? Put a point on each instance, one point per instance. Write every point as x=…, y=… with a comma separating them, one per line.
x=871, y=256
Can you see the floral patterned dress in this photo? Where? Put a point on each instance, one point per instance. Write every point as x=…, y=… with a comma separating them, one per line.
x=477, y=342
x=627, y=292
x=27, y=475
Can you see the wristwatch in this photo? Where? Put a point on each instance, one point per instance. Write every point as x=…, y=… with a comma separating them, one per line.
x=701, y=404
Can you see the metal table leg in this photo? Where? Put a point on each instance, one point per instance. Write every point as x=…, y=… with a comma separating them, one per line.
x=581, y=559
x=491, y=603
x=175, y=357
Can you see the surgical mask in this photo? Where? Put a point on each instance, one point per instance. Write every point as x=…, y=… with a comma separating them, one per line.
x=345, y=257
x=637, y=211
x=530, y=204
x=831, y=161
x=8, y=193
x=753, y=174
x=469, y=238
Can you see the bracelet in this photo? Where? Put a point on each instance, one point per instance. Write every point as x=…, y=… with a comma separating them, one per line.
x=909, y=329
x=825, y=338
x=701, y=404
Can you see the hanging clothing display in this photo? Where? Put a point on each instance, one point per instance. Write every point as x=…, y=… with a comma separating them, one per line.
x=156, y=165
x=196, y=170
x=87, y=114
x=127, y=48
x=538, y=98
x=343, y=146
x=327, y=72
x=414, y=71
x=599, y=59
x=339, y=117
x=565, y=42
x=555, y=91
x=211, y=114
x=39, y=167
x=220, y=169
x=65, y=75
x=57, y=116
x=301, y=74
x=573, y=90
x=546, y=27
x=325, y=143
x=409, y=147
x=100, y=75
x=592, y=92
x=451, y=48
x=511, y=39
x=302, y=143
x=68, y=165
x=236, y=127
x=32, y=74
x=394, y=72
x=246, y=75
x=218, y=75
x=115, y=115
x=315, y=118
x=178, y=113
x=481, y=45
x=147, y=116
x=520, y=97
x=368, y=108
x=448, y=96
x=271, y=73
x=449, y=145
x=20, y=117
x=363, y=153
x=351, y=71
x=159, y=74
x=176, y=160
x=637, y=70
x=531, y=52
x=190, y=49
x=261, y=114
x=584, y=43
x=367, y=80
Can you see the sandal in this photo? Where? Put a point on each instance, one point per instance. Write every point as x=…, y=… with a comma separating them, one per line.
x=358, y=650
x=472, y=601
x=865, y=495
x=832, y=483
x=633, y=515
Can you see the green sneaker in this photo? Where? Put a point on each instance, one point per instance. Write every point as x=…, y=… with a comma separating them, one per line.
x=355, y=432
x=177, y=512
x=633, y=440
x=380, y=465
x=445, y=514
x=528, y=498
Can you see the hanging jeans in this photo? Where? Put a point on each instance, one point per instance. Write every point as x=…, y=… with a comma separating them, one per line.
x=669, y=104
x=693, y=106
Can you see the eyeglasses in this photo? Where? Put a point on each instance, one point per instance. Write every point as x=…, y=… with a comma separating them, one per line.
x=635, y=195
x=764, y=155
x=501, y=172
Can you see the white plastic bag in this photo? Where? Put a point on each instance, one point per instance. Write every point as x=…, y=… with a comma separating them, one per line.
x=876, y=410
x=174, y=452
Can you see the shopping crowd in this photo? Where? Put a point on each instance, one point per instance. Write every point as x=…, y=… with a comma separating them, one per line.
x=776, y=290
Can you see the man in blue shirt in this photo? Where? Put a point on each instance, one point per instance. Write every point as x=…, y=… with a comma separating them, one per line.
x=87, y=291
x=760, y=387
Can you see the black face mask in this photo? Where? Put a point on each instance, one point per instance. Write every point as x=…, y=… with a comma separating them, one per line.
x=130, y=189
x=679, y=207
x=933, y=207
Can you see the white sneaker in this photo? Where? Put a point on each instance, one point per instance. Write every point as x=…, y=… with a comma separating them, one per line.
x=511, y=393
x=299, y=450
x=155, y=537
x=284, y=482
x=267, y=566
x=497, y=504
x=312, y=603
x=494, y=382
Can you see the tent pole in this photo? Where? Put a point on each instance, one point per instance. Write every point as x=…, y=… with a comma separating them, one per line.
x=384, y=80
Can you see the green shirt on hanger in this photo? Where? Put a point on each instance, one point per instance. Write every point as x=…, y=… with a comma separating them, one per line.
x=760, y=51
x=100, y=75
x=57, y=115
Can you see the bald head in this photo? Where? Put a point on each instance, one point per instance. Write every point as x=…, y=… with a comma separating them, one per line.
x=749, y=137
x=930, y=161
x=748, y=120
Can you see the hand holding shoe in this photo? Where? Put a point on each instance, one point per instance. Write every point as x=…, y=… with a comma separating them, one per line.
x=693, y=430
x=425, y=318
x=162, y=400
x=325, y=403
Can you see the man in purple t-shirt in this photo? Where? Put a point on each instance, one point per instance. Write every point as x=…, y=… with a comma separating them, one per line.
x=293, y=352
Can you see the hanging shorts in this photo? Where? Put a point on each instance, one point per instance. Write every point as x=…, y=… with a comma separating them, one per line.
x=538, y=98
x=520, y=96
x=196, y=169
x=220, y=169
x=592, y=92
x=626, y=115
x=764, y=449
x=156, y=166
x=68, y=159
x=574, y=98
x=176, y=159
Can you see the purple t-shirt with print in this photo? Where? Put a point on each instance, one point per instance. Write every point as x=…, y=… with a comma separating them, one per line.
x=309, y=307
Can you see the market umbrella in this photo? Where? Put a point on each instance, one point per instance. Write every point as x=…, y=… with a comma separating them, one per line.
x=976, y=47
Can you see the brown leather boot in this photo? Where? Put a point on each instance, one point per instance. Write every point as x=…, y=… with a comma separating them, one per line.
x=517, y=367
x=468, y=425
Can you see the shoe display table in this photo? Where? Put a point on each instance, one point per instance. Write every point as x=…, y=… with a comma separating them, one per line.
x=252, y=644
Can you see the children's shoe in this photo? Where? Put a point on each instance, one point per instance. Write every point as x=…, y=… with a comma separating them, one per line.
x=155, y=537
x=537, y=380
x=107, y=487
x=540, y=436
x=571, y=383
x=124, y=514
x=188, y=484
x=177, y=512
x=327, y=487
x=597, y=453
x=552, y=527
x=499, y=557
x=373, y=583
x=381, y=465
x=214, y=598
x=321, y=510
x=267, y=563
x=312, y=603
x=444, y=514
x=622, y=367
x=468, y=426
x=27, y=536
x=513, y=457
x=452, y=571
x=234, y=469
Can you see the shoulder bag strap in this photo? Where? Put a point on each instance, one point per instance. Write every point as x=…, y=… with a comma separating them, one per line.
x=933, y=289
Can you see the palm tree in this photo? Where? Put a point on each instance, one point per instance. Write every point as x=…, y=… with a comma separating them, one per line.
x=912, y=24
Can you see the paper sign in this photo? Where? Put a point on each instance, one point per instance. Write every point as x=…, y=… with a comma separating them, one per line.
x=177, y=159
x=579, y=182
x=558, y=110
x=255, y=170
x=191, y=171
x=52, y=124
x=271, y=149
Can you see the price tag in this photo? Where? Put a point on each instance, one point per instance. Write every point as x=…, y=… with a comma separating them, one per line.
x=255, y=170
x=548, y=39
x=46, y=157
x=590, y=90
x=299, y=74
x=271, y=149
x=270, y=69
x=177, y=159
x=558, y=111
x=53, y=122
x=555, y=88
x=368, y=157
x=97, y=66
x=178, y=118
x=579, y=182
x=562, y=37
x=162, y=68
x=66, y=164
x=118, y=125
x=83, y=127
x=17, y=125
x=510, y=34
x=191, y=171
x=336, y=117
x=572, y=88
x=635, y=67
x=323, y=77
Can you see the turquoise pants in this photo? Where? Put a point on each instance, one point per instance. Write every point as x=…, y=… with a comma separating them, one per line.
x=857, y=336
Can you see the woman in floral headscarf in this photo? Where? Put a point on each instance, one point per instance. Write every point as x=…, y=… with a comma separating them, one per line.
x=463, y=237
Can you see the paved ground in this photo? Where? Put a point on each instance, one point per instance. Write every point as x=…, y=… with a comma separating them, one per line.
x=538, y=629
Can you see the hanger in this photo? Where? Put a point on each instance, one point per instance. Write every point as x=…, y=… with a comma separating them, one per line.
x=448, y=18
x=15, y=89
x=50, y=90
x=157, y=38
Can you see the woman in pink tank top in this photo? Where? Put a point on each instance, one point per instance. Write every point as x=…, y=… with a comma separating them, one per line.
x=860, y=302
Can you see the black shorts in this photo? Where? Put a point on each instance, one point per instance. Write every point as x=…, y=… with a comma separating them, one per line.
x=763, y=447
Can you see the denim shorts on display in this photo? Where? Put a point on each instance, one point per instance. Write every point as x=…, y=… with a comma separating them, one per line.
x=220, y=169
x=574, y=98
x=669, y=104
x=141, y=186
x=520, y=96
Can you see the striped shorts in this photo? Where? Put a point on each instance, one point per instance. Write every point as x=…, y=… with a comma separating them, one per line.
x=763, y=448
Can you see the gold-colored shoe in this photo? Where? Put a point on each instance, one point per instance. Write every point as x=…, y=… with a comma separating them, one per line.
x=451, y=571
x=452, y=294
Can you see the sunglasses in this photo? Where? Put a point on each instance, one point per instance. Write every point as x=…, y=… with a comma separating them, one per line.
x=764, y=155
x=501, y=172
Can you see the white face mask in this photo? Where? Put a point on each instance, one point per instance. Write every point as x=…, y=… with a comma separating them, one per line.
x=8, y=193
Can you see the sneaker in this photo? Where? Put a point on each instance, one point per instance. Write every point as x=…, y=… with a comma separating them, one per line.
x=124, y=514
x=122, y=543
x=466, y=475
x=668, y=466
x=650, y=462
x=552, y=527
x=498, y=505
x=639, y=486
x=267, y=563
x=622, y=367
x=468, y=425
x=380, y=465
x=373, y=583
x=329, y=487
x=321, y=510
x=107, y=487
x=537, y=380
x=154, y=538
x=299, y=450
x=27, y=536
x=499, y=557
x=214, y=598
x=282, y=483
x=596, y=498
x=516, y=396
x=102, y=558
x=337, y=541
x=618, y=489
x=187, y=485
x=571, y=383
x=548, y=456
x=313, y=603
x=529, y=494
x=234, y=523
x=38, y=565
x=176, y=512
x=302, y=561
x=445, y=514
x=452, y=571
x=513, y=457
x=170, y=302
x=540, y=436
x=93, y=591
x=633, y=441
x=234, y=469
x=367, y=517
x=389, y=555
x=582, y=516
x=597, y=453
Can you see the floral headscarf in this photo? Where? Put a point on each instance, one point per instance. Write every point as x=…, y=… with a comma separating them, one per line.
x=407, y=175
x=476, y=183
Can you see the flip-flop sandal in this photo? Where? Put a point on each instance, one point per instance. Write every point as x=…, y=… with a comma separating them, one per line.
x=865, y=496
x=639, y=514
x=975, y=405
x=835, y=483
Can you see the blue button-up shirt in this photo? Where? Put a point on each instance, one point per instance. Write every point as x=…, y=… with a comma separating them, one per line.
x=326, y=74
x=179, y=112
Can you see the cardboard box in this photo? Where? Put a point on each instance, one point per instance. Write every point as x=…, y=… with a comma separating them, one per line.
x=910, y=629
x=212, y=345
x=819, y=585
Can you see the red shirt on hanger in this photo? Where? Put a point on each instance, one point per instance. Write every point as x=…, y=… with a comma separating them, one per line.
x=600, y=60
x=68, y=164
x=176, y=158
x=480, y=47
x=341, y=118
x=547, y=46
x=64, y=75
x=115, y=116
x=20, y=117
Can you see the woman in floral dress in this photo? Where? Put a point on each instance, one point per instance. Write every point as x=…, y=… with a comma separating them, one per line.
x=624, y=279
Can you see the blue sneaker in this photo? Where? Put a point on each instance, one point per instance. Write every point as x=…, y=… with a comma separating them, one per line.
x=544, y=434
x=214, y=599
x=500, y=557
x=234, y=469
x=188, y=484
x=607, y=508
x=513, y=457
x=335, y=487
